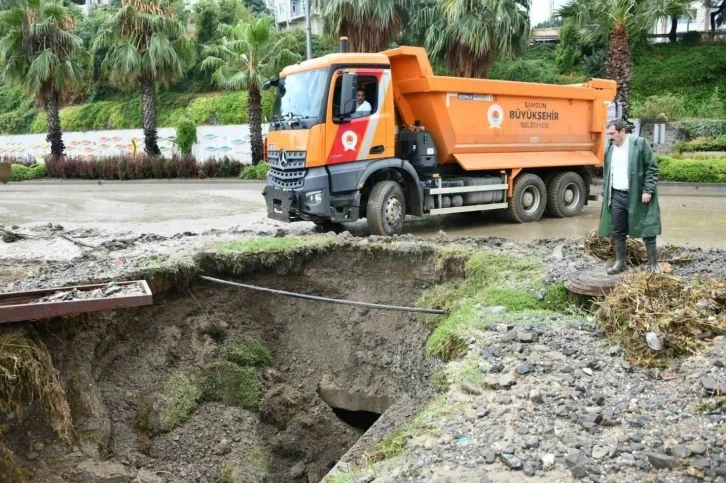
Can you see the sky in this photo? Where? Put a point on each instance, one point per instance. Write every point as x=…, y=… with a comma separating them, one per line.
x=541, y=10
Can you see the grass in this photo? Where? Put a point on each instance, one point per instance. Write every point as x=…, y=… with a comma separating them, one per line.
x=27, y=374
x=273, y=244
x=232, y=385
x=181, y=396
x=491, y=280
x=254, y=466
x=246, y=350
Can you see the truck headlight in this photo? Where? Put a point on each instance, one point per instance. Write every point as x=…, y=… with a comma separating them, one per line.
x=314, y=198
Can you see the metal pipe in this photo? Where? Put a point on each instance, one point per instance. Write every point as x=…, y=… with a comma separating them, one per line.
x=344, y=45
x=325, y=299
x=309, y=35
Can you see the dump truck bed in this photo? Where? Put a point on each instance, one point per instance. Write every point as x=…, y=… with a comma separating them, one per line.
x=489, y=124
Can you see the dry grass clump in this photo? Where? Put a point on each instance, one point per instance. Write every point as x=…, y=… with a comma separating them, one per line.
x=603, y=249
x=26, y=374
x=681, y=314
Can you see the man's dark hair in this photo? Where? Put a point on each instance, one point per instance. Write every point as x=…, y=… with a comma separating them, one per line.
x=618, y=124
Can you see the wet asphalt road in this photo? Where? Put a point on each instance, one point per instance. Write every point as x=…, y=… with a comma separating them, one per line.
x=169, y=208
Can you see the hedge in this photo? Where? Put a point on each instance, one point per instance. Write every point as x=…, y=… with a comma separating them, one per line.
x=717, y=144
x=258, y=171
x=692, y=170
x=21, y=172
x=703, y=128
x=217, y=108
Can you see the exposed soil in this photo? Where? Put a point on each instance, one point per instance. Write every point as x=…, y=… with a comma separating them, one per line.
x=360, y=361
x=109, y=290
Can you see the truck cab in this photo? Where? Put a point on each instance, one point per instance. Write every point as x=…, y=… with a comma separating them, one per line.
x=372, y=135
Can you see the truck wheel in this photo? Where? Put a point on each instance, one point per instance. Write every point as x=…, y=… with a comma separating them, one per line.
x=566, y=195
x=529, y=199
x=386, y=209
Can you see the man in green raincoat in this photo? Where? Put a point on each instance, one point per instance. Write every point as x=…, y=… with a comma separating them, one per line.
x=630, y=196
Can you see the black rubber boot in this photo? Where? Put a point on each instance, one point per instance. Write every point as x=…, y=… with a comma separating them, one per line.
x=619, y=258
x=652, y=251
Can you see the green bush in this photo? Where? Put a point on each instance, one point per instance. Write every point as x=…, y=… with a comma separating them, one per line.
x=703, y=128
x=186, y=135
x=660, y=108
x=258, y=171
x=231, y=384
x=20, y=172
x=692, y=170
x=716, y=144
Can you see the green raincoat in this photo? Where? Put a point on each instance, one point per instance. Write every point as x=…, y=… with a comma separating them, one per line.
x=643, y=218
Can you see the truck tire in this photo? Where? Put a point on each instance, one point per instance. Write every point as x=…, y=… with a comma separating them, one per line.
x=386, y=209
x=565, y=195
x=529, y=199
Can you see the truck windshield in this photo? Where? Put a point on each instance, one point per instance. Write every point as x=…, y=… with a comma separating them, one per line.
x=300, y=96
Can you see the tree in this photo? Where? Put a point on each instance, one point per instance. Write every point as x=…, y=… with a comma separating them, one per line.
x=370, y=25
x=39, y=53
x=468, y=35
x=246, y=56
x=614, y=23
x=147, y=45
x=718, y=14
x=258, y=7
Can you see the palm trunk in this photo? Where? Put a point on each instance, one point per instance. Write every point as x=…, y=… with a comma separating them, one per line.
x=256, y=124
x=618, y=66
x=466, y=64
x=148, y=105
x=672, y=35
x=55, y=135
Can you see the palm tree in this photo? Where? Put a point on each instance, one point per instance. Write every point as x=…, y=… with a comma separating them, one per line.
x=468, y=35
x=39, y=53
x=246, y=56
x=370, y=25
x=147, y=45
x=614, y=23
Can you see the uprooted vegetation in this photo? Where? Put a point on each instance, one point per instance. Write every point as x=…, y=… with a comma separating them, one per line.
x=675, y=315
x=603, y=249
x=502, y=282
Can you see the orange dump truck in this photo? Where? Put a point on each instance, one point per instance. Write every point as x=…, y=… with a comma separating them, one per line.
x=379, y=136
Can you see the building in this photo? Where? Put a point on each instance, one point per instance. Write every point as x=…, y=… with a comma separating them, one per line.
x=698, y=20
x=290, y=14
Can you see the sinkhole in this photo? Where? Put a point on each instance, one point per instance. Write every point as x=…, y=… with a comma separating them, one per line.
x=216, y=383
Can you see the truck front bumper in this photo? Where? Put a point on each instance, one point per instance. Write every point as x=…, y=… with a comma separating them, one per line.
x=310, y=202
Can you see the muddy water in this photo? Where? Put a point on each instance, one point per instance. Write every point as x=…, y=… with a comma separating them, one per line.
x=169, y=208
x=687, y=220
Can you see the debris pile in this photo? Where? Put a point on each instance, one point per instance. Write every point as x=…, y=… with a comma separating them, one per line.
x=111, y=289
x=658, y=316
x=602, y=248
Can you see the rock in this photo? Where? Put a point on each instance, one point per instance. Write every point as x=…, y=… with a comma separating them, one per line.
x=712, y=387
x=524, y=368
x=507, y=380
x=38, y=447
x=365, y=478
x=527, y=337
x=298, y=470
x=222, y=448
x=32, y=456
x=489, y=456
x=532, y=442
x=577, y=463
x=680, y=452
x=102, y=472
x=696, y=448
x=701, y=463
x=548, y=461
x=653, y=341
x=512, y=462
x=530, y=469
x=661, y=461
x=599, y=452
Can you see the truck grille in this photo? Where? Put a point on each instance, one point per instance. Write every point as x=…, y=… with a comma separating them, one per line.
x=287, y=168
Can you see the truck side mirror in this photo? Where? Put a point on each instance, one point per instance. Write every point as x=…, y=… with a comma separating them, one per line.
x=270, y=83
x=348, y=90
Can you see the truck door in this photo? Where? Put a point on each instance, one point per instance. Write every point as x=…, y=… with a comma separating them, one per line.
x=365, y=135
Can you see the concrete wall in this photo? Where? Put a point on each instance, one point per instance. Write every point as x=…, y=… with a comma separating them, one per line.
x=232, y=141
x=672, y=136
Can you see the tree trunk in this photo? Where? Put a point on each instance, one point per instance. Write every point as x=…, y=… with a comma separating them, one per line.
x=256, y=124
x=618, y=66
x=55, y=135
x=466, y=64
x=148, y=106
x=715, y=14
x=672, y=35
